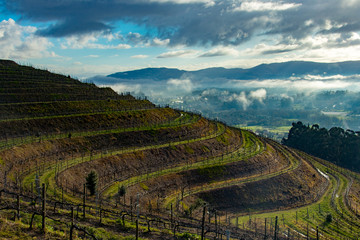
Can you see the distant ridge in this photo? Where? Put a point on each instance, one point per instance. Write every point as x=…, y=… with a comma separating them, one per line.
x=263, y=71
x=155, y=73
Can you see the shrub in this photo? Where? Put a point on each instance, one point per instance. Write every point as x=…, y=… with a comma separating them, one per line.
x=328, y=218
x=188, y=236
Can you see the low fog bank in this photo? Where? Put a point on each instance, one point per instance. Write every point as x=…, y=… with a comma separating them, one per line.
x=328, y=101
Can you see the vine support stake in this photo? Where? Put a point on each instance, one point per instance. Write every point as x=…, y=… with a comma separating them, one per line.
x=203, y=224
x=317, y=232
x=171, y=214
x=72, y=223
x=18, y=206
x=43, y=226
x=265, y=228
x=84, y=200
x=276, y=228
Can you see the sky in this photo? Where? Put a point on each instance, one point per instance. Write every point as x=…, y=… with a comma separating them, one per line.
x=85, y=38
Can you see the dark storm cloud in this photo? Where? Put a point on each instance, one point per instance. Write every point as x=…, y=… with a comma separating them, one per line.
x=93, y=15
x=73, y=26
x=225, y=22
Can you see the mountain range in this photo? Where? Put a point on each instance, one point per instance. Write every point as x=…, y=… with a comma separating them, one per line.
x=263, y=71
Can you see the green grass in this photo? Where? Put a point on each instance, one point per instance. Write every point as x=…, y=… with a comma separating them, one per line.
x=272, y=129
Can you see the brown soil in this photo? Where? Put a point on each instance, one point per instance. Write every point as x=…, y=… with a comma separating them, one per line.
x=20, y=158
x=94, y=122
x=292, y=189
x=271, y=160
x=123, y=166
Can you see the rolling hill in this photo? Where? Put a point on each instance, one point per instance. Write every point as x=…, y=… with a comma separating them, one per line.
x=161, y=173
x=263, y=71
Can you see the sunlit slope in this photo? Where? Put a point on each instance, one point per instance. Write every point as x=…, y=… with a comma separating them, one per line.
x=168, y=163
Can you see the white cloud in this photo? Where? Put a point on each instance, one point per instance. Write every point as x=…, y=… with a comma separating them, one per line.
x=326, y=78
x=93, y=56
x=220, y=51
x=180, y=85
x=349, y=3
x=259, y=94
x=140, y=56
x=178, y=53
x=159, y=42
x=304, y=85
x=257, y=6
x=91, y=41
x=264, y=49
x=122, y=88
x=20, y=42
x=240, y=98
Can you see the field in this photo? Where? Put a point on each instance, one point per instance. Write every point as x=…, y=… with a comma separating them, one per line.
x=273, y=132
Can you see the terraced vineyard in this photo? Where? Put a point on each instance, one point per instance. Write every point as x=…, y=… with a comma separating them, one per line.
x=162, y=173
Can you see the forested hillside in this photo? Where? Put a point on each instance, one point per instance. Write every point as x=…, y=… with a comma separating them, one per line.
x=336, y=144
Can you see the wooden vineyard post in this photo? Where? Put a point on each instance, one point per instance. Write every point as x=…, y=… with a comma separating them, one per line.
x=72, y=223
x=307, y=231
x=276, y=226
x=307, y=212
x=265, y=229
x=137, y=229
x=131, y=208
x=100, y=217
x=18, y=206
x=288, y=235
x=137, y=217
x=171, y=215
x=43, y=225
x=203, y=224
x=216, y=226
x=84, y=200
x=317, y=231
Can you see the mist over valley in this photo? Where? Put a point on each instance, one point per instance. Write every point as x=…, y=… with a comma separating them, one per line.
x=266, y=98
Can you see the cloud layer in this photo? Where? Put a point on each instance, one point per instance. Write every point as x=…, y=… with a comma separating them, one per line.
x=199, y=22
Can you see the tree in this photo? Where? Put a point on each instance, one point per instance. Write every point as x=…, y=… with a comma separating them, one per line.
x=91, y=182
x=121, y=191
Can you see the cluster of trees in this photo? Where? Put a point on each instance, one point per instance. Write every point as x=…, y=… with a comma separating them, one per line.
x=336, y=145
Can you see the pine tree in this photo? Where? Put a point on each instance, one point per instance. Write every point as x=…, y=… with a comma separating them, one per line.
x=121, y=190
x=91, y=182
